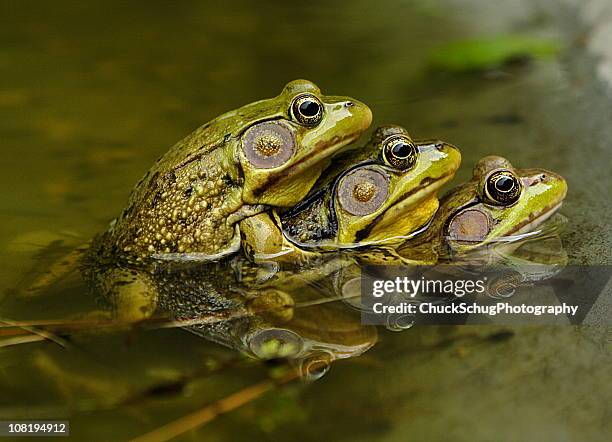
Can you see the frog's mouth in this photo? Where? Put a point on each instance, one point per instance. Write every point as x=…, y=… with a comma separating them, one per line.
x=535, y=219
x=419, y=193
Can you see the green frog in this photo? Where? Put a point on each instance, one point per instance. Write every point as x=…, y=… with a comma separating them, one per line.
x=499, y=202
x=189, y=204
x=265, y=154
x=377, y=196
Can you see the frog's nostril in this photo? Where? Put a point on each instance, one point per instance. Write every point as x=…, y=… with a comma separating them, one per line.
x=349, y=104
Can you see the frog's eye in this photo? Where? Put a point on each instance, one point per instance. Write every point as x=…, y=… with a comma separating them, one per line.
x=267, y=145
x=399, y=152
x=307, y=110
x=363, y=191
x=502, y=188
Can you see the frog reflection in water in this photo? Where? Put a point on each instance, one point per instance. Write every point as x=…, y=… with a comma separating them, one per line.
x=266, y=324
x=216, y=300
x=267, y=153
x=380, y=195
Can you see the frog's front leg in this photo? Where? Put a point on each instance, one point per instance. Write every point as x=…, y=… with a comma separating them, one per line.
x=57, y=271
x=262, y=238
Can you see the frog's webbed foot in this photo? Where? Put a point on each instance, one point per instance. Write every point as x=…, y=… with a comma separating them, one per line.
x=56, y=272
x=262, y=238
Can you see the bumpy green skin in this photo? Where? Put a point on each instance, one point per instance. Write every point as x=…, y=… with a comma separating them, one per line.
x=467, y=219
x=192, y=198
x=321, y=222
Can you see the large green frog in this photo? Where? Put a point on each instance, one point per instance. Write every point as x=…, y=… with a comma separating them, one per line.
x=267, y=153
x=379, y=195
x=498, y=203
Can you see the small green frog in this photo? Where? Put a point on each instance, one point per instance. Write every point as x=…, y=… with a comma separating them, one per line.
x=377, y=196
x=498, y=202
x=265, y=154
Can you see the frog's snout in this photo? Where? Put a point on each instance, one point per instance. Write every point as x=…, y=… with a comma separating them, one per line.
x=453, y=154
x=545, y=177
x=361, y=111
x=358, y=113
x=553, y=181
x=443, y=146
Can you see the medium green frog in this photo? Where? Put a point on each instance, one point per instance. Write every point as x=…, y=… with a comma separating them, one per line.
x=267, y=153
x=499, y=202
x=379, y=195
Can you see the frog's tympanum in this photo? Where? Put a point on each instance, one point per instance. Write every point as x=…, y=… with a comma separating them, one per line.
x=381, y=194
x=498, y=202
x=267, y=153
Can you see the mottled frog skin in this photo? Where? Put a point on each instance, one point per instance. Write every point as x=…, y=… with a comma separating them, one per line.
x=267, y=153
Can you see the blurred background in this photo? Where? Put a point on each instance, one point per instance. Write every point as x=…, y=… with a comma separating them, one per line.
x=93, y=92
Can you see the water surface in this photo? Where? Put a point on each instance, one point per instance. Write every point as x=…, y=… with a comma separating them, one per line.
x=94, y=92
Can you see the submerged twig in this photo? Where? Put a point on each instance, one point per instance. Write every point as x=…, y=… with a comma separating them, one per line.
x=20, y=340
x=210, y=412
x=44, y=334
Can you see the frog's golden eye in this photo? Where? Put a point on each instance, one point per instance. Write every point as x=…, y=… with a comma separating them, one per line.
x=267, y=145
x=363, y=191
x=502, y=188
x=399, y=152
x=307, y=110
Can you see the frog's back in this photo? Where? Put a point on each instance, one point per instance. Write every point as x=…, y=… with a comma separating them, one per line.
x=185, y=196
